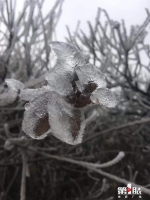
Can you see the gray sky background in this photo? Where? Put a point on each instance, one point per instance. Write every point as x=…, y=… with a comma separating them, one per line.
x=132, y=11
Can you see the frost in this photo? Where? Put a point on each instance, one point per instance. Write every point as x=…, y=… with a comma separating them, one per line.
x=105, y=97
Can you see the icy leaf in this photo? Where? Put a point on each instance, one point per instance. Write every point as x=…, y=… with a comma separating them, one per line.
x=30, y=94
x=68, y=53
x=35, y=122
x=67, y=122
x=105, y=97
x=14, y=84
x=59, y=81
x=68, y=56
x=88, y=74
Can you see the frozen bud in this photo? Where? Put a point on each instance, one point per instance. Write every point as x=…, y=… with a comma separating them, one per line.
x=67, y=122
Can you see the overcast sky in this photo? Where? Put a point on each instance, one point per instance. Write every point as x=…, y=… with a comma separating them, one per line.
x=132, y=11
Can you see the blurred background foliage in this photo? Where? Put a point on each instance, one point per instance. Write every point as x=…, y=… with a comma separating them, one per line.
x=124, y=58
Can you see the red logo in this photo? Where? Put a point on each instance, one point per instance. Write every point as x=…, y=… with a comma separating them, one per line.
x=128, y=189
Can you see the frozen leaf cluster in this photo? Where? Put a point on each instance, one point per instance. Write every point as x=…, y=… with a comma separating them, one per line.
x=71, y=85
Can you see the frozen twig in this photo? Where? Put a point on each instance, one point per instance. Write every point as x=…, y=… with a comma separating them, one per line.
x=81, y=163
x=92, y=117
x=117, y=159
x=23, y=179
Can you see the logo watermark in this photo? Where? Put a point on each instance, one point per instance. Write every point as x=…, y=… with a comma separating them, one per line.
x=129, y=192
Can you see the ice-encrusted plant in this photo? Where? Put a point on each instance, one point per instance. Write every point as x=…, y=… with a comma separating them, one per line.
x=58, y=107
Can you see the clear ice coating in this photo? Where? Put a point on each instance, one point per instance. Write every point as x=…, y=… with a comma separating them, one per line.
x=104, y=97
x=88, y=73
x=59, y=80
x=71, y=85
x=30, y=94
x=67, y=122
x=35, y=122
x=68, y=56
